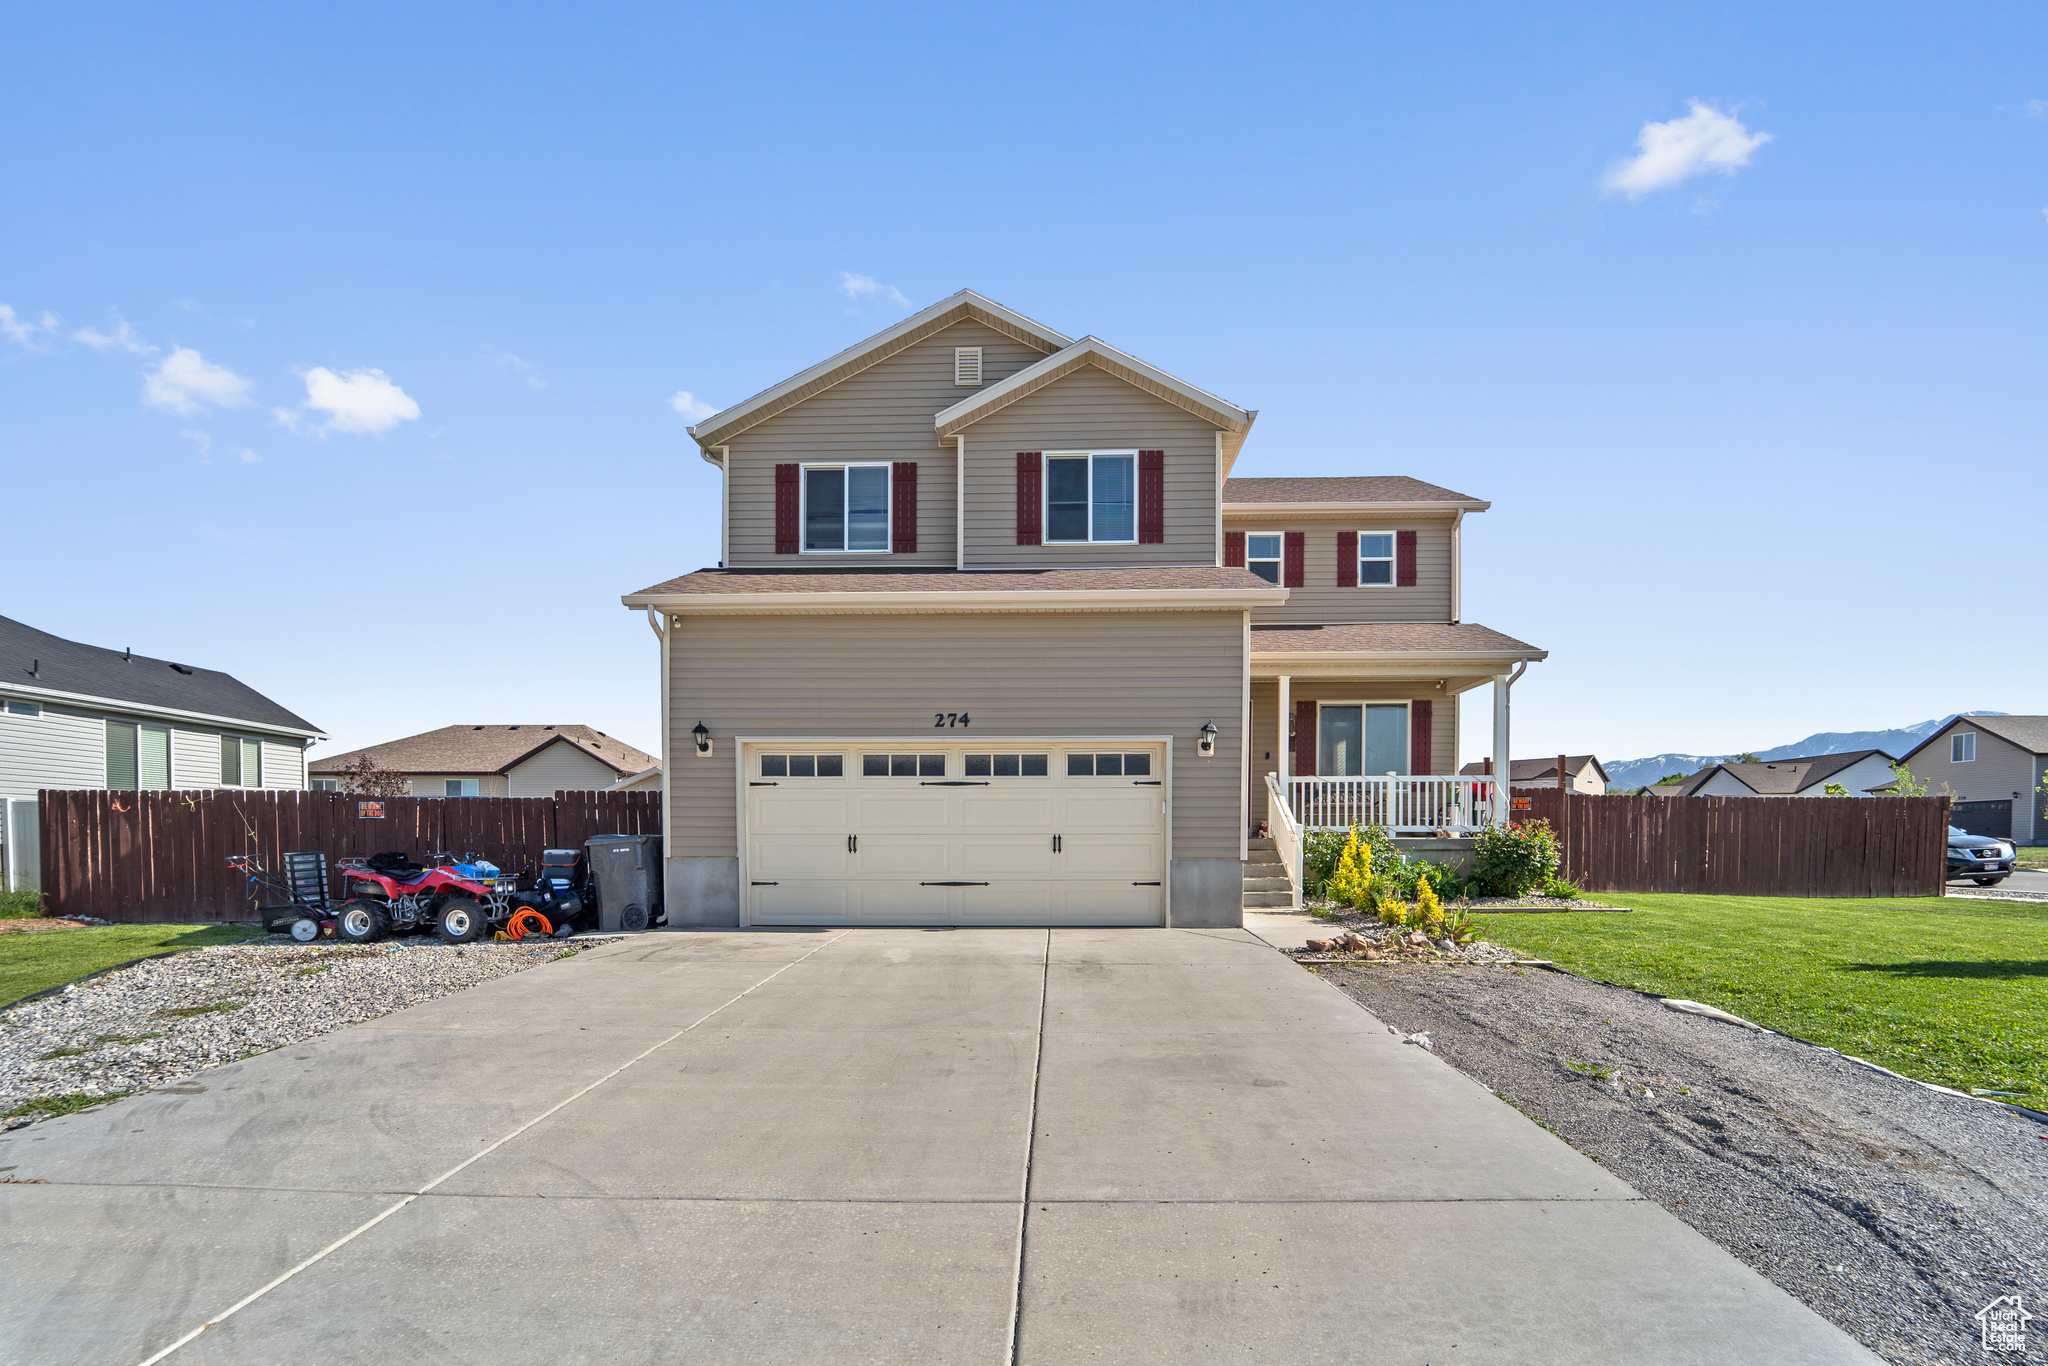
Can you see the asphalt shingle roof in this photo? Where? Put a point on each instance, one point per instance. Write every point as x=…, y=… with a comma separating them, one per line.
x=740, y=581
x=487, y=749
x=1350, y=636
x=93, y=671
x=1354, y=488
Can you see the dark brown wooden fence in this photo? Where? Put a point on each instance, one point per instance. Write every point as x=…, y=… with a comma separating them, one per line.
x=1748, y=846
x=162, y=856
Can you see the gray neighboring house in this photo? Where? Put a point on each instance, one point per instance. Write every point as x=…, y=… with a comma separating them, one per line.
x=83, y=716
x=1859, y=770
x=995, y=638
x=1582, y=773
x=1992, y=766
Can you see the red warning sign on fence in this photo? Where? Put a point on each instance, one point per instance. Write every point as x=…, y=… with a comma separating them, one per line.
x=369, y=811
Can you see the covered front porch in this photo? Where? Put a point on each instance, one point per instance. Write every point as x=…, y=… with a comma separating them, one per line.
x=1357, y=724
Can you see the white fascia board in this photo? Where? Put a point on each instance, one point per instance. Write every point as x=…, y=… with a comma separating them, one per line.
x=1389, y=663
x=89, y=702
x=1070, y=600
x=1255, y=511
x=716, y=429
x=997, y=396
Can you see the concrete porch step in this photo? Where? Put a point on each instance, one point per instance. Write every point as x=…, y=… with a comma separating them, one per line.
x=1259, y=901
x=1268, y=884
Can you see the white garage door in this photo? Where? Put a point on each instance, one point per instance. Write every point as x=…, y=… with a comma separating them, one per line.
x=959, y=834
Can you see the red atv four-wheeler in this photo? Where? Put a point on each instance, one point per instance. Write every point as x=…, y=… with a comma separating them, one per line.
x=390, y=893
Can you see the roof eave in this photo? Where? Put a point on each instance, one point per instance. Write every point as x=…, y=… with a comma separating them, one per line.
x=60, y=697
x=1042, y=600
x=949, y=422
x=1311, y=509
x=1392, y=663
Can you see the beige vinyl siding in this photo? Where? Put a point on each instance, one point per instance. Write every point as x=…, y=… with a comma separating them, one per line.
x=1110, y=674
x=2001, y=769
x=1268, y=734
x=1090, y=410
x=58, y=749
x=883, y=413
x=432, y=784
x=561, y=767
x=1320, y=601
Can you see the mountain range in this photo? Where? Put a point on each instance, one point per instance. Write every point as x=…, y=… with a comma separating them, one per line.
x=1627, y=773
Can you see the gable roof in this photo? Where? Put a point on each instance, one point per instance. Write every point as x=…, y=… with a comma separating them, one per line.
x=724, y=425
x=115, y=676
x=1778, y=777
x=1337, y=490
x=2030, y=733
x=1528, y=770
x=488, y=749
x=1234, y=421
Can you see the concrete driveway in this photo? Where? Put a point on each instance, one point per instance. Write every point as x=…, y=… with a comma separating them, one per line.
x=869, y=1146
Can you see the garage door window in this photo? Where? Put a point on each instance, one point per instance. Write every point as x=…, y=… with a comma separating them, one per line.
x=1109, y=765
x=902, y=765
x=1006, y=765
x=803, y=765
x=1962, y=749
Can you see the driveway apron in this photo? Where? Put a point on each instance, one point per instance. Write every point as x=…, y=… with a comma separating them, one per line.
x=858, y=1146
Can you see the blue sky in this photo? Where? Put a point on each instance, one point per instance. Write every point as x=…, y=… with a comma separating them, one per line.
x=408, y=292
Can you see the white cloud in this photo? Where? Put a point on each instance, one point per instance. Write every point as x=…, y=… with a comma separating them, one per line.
x=199, y=439
x=2037, y=109
x=122, y=338
x=184, y=382
x=21, y=331
x=859, y=287
x=250, y=457
x=689, y=405
x=506, y=360
x=1677, y=150
x=354, y=401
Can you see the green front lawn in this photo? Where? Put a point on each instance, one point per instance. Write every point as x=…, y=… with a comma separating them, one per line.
x=1947, y=990
x=35, y=962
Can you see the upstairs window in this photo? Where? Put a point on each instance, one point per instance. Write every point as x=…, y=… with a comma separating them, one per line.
x=1375, y=558
x=1262, y=555
x=1091, y=496
x=1962, y=749
x=846, y=507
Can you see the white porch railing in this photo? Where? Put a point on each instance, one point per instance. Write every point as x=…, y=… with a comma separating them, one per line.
x=1403, y=805
x=1286, y=833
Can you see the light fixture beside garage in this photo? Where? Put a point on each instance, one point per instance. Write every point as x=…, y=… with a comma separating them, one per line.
x=703, y=739
x=1206, y=746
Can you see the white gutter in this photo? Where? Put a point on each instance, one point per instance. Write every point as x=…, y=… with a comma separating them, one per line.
x=966, y=600
x=1349, y=508
x=79, y=699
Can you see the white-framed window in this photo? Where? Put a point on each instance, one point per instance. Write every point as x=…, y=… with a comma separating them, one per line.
x=1262, y=553
x=967, y=365
x=1375, y=559
x=902, y=765
x=461, y=787
x=1006, y=765
x=1355, y=739
x=16, y=708
x=241, y=761
x=1109, y=765
x=1962, y=749
x=326, y=784
x=1091, y=496
x=803, y=765
x=846, y=507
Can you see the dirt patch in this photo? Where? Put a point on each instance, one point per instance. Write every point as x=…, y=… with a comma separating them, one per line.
x=1894, y=1211
x=41, y=922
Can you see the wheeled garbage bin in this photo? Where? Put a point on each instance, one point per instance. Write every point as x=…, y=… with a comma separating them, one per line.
x=627, y=869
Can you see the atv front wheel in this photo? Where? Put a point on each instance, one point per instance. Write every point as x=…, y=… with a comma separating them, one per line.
x=460, y=920
x=362, y=921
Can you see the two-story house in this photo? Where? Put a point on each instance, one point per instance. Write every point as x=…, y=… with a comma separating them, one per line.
x=994, y=638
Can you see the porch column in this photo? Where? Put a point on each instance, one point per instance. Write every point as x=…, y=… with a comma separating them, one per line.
x=1285, y=723
x=1500, y=749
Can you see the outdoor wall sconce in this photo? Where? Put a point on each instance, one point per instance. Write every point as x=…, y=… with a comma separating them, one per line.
x=1206, y=746
x=703, y=739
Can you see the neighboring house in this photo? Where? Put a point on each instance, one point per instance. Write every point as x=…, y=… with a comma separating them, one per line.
x=646, y=780
x=1858, y=770
x=1583, y=773
x=80, y=716
x=995, y=639
x=1992, y=766
x=495, y=761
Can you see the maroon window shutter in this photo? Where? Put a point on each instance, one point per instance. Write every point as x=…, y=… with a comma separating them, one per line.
x=1233, y=550
x=1151, y=497
x=903, y=508
x=1420, y=735
x=1295, y=564
x=1304, y=739
x=786, y=534
x=1404, y=559
x=1347, y=559
x=1028, y=467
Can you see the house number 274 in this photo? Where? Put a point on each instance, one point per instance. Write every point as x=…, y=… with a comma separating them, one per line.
x=943, y=720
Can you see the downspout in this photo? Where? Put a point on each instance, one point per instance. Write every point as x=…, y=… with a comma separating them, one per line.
x=724, y=513
x=960, y=503
x=661, y=624
x=1503, y=762
x=1458, y=567
x=1219, y=499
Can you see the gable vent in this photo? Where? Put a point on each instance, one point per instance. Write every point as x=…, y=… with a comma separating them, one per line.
x=967, y=365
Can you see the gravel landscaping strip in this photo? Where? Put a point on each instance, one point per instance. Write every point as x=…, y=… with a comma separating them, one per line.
x=1895, y=1211
x=163, y=1019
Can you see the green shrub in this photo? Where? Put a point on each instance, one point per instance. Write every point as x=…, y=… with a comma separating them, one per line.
x=1514, y=860
x=1320, y=850
x=1561, y=889
x=1352, y=882
x=20, y=905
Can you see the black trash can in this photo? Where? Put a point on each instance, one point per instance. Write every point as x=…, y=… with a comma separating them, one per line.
x=627, y=869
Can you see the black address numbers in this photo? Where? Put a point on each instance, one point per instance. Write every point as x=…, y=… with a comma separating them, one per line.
x=949, y=720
